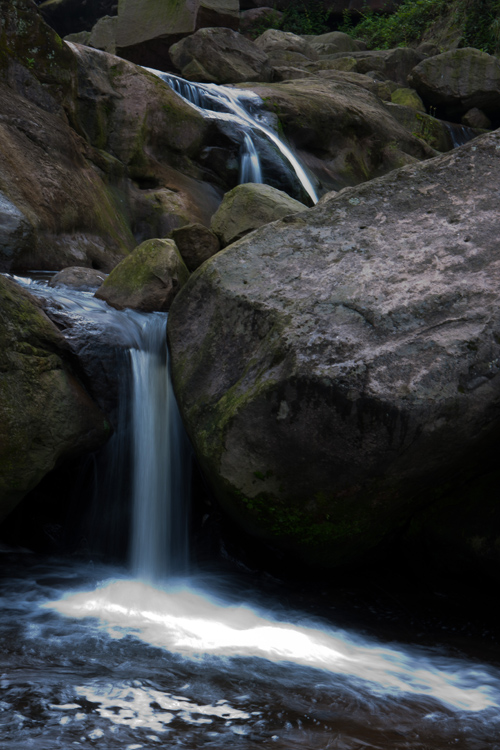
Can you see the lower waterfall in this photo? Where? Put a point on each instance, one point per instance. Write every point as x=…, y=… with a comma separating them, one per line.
x=131, y=657
x=161, y=466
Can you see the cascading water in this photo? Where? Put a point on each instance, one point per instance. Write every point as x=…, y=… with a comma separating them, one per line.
x=245, y=110
x=250, y=169
x=160, y=464
x=92, y=656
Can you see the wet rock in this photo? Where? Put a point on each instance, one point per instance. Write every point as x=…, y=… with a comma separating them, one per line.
x=249, y=206
x=458, y=81
x=196, y=244
x=340, y=369
x=220, y=56
x=45, y=414
x=148, y=279
x=83, y=279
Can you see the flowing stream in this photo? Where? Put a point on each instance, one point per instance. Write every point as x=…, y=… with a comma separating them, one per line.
x=147, y=655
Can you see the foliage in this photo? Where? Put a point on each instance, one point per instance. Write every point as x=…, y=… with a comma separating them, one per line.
x=407, y=24
x=300, y=17
x=482, y=24
x=478, y=20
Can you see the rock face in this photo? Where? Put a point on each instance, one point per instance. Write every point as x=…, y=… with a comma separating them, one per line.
x=45, y=414
x=342, y=132
x=249, y=206
x=341, y=368
x=458, y=81
x=148, y=279
x=220, y=56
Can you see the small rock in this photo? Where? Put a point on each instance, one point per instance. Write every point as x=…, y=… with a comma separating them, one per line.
x=77, y=277
x=148, y=279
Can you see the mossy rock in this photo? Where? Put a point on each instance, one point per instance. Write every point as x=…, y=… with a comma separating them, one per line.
x=408, y=98
x=249, y=206
x=45, y=414
x=148, y=279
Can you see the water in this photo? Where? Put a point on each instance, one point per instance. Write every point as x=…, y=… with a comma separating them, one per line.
x=459, y=134
x=95, y=655
x=250, y=169
x=245, y=110
x=161, y=463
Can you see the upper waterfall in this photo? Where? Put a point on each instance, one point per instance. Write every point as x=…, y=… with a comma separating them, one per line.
x=244, y=109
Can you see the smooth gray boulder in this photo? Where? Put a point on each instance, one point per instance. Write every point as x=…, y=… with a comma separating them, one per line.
x=339, y=369
x=249, y=206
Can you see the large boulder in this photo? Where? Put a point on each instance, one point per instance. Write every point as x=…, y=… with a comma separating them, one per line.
x=340, y=368
x=249, y=206
x=341, y=131
x=459, y=80
x=220, y=56
x=45, y=414
x=145, y=131
x=148, y=279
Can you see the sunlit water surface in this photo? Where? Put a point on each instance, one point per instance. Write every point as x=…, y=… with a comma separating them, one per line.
x=90, y=657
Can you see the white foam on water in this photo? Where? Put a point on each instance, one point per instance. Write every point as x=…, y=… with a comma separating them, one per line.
x=186, y=622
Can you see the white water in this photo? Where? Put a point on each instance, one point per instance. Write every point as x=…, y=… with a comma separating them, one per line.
x=240, y=107
x=193, y=623
x=161, y=465
x=250, y=169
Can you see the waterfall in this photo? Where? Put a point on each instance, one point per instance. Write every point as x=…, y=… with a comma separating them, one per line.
x=142, y=476
x=160, y=465
x=459, y=134
x=243, y=108
x=250, y=169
